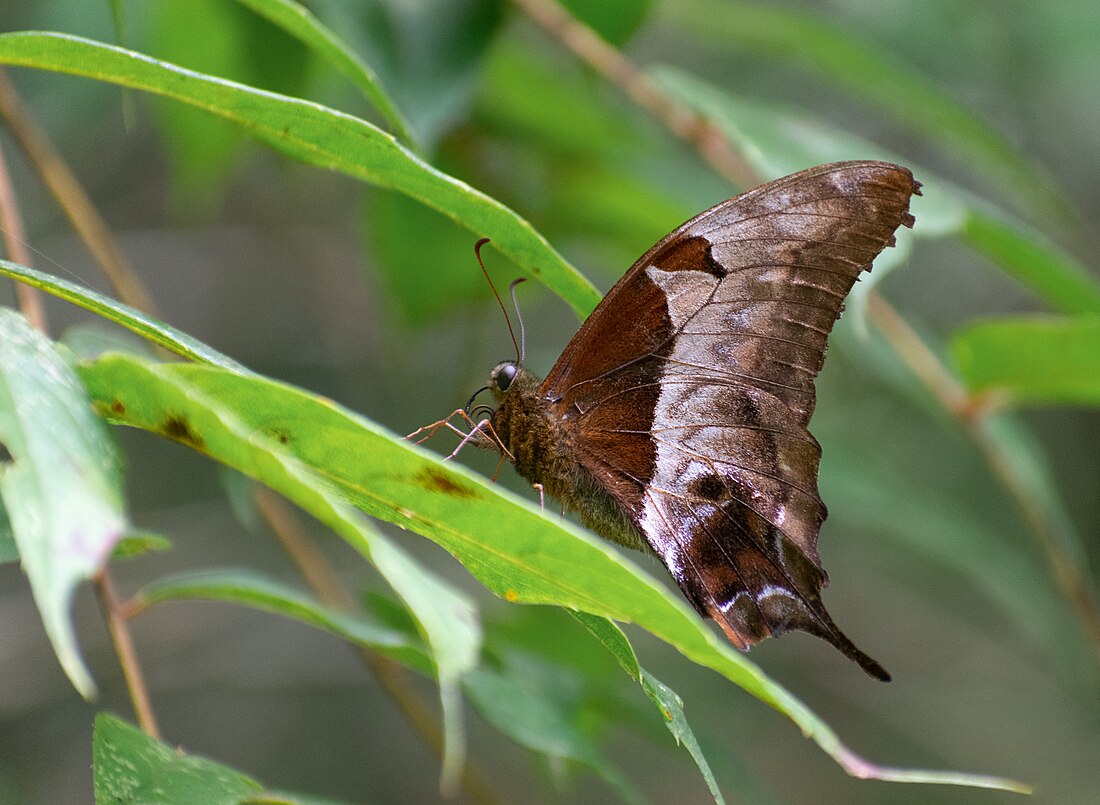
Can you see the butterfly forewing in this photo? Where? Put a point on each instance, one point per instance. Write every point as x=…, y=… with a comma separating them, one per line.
x=687, y=393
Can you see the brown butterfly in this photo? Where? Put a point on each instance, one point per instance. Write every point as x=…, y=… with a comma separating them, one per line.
x=676, y=419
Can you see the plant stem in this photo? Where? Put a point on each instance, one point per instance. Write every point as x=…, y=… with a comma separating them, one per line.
x=682, y=121
x=11, y=224
x=393, y=678
x=69, y=194
x=127, y=656
x=975, y=419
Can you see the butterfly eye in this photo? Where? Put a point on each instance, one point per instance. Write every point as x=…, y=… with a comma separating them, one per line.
x=504, y=376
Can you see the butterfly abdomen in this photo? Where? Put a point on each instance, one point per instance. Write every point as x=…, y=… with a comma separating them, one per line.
x=542, y=452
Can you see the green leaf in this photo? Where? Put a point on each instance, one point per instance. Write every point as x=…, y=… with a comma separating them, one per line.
x=235, y=44
x=62, y=487
x=213, y=418
x=130, y=768
x=429, y=55
x=137, y=543
x=316, y=135
x=670, y=705
x=9, y=551
x=251, y=589
x=146, y=326
x=405, y=236
x=534, y=721
x=516, y=550
x=296, y=20
x=1027, y=256
x=1032, y=360
x=614, y=20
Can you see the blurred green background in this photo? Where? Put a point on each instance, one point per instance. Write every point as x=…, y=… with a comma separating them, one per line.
x=375, y=301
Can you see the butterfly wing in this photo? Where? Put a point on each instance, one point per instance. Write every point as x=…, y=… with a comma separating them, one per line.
x=688, y=391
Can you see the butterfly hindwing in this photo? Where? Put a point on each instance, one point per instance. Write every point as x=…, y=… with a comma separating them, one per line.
x=688, y=392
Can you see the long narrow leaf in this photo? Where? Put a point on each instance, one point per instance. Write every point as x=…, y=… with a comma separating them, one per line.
x=161, y=398
x=516, y=550
x=317, y=135
x=62, y=486
x=663, y=697
x=134, y=320
x=248, y=588
x=296, y=20
x=1032, y=360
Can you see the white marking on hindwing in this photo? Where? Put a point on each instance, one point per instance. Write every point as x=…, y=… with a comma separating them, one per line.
x=686, y=292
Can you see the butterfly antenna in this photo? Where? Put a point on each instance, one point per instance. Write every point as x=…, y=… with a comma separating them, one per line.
x=504, y=310
x=519, y=318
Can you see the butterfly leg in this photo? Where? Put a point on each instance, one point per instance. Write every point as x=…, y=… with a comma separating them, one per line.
x=542, y=495
x=477, y=435
x=431, y=430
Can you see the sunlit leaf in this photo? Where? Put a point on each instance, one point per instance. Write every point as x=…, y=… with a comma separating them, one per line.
x=1032, y=360
x=165, y=398
x=516, y=550
x=62, y=485
x=316, y=135
x=252, y=589
x=296, y=20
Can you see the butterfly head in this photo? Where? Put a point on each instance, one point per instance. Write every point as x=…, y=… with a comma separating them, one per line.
x=511, y=379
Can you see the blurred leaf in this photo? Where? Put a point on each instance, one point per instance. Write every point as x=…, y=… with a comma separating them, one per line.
x=670, y=705
x=410, y=241
x=525, y=93
x=614, y=20
x=9, y=551
x=139, y=543
x=297, y=21
x=877, y=76
x=1032, y=260
x=134, y=320
x=908, y=478
x=266, y=428
x=62, y=487
x=777, y=142
x=254, y=590
x=130, y=768
x=429, y=55
x=235, y=44
x=90, y=339
x=239, y=491
x=211, y=417
x=534, y=721
x=317, y=135
x=1032, y=360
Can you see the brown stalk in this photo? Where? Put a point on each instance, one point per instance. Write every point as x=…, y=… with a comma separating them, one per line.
x=70, y=195
x=326, y=585
x=127, y=655
x=681, y=120
x=11, y=224
x=30, y=302
x=720, y=154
